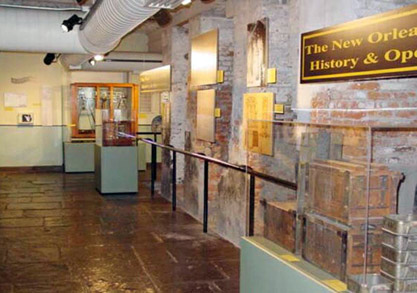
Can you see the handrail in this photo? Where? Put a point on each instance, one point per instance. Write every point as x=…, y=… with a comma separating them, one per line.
x=245, y=169
x=266, y=177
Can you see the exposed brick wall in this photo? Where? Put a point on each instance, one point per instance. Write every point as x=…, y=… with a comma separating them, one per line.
x=352, y=103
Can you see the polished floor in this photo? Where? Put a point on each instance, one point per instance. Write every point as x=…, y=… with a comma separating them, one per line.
x=57, y=234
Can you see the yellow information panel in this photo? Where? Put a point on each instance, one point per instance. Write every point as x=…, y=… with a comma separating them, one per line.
x=289, y=257
x=336, y=285
x=206, y=101
x=257, y=113
x=156, y=80
x=204, y=51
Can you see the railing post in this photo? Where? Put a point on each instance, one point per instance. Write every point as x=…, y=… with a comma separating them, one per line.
x=153, y=169
x=251, y=205
x=205, y=214
x=205, y=198
x=174, y=180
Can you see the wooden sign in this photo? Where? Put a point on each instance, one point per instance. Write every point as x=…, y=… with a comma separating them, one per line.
x=381, y=46
x=258, y=114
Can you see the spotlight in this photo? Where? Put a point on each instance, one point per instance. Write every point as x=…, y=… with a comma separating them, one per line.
x=99, y=57
x=49, y=58
x=68, y=24
x=186, y=2
x=92, y=62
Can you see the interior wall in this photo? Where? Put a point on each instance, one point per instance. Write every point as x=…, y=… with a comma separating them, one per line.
x=287, y=20
x=36, y=145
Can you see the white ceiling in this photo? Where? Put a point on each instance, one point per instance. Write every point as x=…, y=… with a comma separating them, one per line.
x=43, y=3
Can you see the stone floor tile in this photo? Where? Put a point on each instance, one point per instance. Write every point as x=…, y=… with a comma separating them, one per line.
x=57, y=234
x=28, y=254
x=20, y=222
x=33, y=206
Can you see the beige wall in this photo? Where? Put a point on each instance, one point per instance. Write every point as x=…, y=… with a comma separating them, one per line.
x=38, y=145
x=29, y=65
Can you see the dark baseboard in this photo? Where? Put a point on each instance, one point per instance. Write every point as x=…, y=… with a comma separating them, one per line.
x=34, y=169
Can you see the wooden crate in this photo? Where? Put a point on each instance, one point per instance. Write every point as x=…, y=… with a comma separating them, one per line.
x=280, y=220
x=339, y=249
x=338, y=190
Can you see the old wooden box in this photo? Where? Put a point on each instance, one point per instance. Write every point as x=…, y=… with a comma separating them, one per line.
x=280, y=218
x=339, y=249
x=338, y=190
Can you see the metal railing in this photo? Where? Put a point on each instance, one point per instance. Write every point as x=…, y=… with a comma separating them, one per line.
x=244, y=169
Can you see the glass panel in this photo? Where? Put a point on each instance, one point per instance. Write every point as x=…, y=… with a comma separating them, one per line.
x=86, y=103
x=122, y=103
x=350, y=180
x=104, y=98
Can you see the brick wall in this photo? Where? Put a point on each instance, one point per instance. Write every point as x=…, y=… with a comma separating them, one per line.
x=353, y=103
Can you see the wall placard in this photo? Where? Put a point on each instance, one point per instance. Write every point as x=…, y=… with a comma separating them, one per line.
x=379, y=46
x=204, y=52
x=155, y=80
x=257, y=115
x=257, y=57
x=206, y=101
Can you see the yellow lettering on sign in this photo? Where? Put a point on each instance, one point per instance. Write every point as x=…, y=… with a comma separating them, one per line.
x=394, y=34
x=9, y=109
x=345, y=44
x=401, y=56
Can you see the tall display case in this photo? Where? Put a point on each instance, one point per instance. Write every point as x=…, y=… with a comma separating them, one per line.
x=120, y=99
x=350, y=181
x=115, y=148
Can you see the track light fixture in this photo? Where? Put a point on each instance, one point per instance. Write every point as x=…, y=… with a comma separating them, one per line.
x=99, y=57
x=49, y=58
x=68, y=24
x=92, y=62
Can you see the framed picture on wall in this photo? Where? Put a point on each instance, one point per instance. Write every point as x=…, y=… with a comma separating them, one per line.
x=25, y=119
x=257, y=53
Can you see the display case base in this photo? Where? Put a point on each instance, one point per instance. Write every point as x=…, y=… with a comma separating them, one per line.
x=79, y=157
x=266, y=267
x=116, y=169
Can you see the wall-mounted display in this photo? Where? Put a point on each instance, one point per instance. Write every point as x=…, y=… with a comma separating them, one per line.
x=257, y=53
x=204, y=55
x=258, y=108
x=156, y=80
x=380, y=46
x=120, y=99
x=206, y=102
x=25, y=119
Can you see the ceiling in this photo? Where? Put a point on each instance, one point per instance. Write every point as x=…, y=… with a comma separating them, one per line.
x=43, y=3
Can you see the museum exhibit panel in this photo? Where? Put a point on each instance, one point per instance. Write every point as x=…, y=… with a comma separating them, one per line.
x=115, y=149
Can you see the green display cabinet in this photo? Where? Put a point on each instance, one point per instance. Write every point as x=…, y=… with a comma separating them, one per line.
x=116, y=169
x=267, y=268
x=79, y=157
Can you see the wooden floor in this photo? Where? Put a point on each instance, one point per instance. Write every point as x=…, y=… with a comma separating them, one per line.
x=57, y=234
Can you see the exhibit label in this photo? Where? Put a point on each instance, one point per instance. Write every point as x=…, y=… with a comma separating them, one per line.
x=380, y=46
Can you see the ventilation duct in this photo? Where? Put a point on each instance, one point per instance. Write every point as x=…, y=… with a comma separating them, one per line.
x=110, y=21
x=29, y=30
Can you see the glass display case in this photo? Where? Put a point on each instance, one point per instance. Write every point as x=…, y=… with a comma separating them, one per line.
x=349, y=180
x=120, y=101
